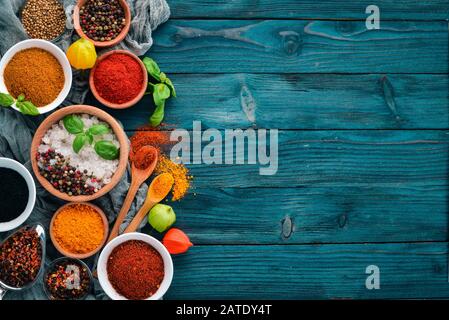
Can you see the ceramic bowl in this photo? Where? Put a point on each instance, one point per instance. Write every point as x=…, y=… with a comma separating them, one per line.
x=113, y=42
x=77, y=255
x=156, y=244
x=103, y=116
x=76, y=262
x=18, y=167
x=115, y=105
x=56, y=52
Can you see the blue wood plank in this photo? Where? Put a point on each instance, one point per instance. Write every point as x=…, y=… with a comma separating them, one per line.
x=295, y=101
x=314, y=214
x=309, y=9
x=397, y=158
x=311, y=272
x=286, y=46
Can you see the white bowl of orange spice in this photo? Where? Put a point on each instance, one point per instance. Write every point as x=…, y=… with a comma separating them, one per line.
x=36, y=75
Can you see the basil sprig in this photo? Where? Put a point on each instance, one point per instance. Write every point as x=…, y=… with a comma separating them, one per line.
x=105, y=149
x=25, y=107
x=161, y=91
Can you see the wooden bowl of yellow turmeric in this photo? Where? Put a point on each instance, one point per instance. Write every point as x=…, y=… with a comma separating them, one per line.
x=79, y=230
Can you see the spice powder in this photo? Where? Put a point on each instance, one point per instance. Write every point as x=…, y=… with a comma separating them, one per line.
x=78, y=228
x=35, y=73
x=135, y=269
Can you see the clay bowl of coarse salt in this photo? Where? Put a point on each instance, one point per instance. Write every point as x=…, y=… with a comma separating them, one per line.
x=79, y=153
x=119, y=79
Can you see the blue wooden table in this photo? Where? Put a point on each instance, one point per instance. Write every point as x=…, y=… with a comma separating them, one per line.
x=363, y=119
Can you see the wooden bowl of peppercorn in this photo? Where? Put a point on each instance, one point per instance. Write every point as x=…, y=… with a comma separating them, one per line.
x=99, y=21
x=101, y=115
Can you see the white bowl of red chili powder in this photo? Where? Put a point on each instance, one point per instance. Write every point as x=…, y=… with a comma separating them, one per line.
x=135, y=266
x=39, y=70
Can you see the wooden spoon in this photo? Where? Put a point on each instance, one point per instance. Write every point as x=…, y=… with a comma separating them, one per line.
x=138, y=176
x=152, y=199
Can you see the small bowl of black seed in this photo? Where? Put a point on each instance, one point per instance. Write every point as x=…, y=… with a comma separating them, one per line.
x=44, y=19
x=104, y=22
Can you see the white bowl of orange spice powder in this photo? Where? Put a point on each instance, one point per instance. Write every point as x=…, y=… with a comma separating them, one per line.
x=39, y=71
x=79, y=230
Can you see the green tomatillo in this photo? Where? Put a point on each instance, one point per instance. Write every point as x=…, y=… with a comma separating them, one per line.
x=161, y=217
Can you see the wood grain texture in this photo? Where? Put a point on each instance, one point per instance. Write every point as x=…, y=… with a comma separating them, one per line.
x=313, y=214
x=342, y=158
x=286, y=46
x=310, y=272
x=296, y=101
x=309, y=9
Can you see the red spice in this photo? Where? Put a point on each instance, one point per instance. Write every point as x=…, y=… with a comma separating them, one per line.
x=143, y=158
x=118, y=78
x=154, y=138
x=135, y=269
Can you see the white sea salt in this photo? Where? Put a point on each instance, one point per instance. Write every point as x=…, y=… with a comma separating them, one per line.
x=60, y=140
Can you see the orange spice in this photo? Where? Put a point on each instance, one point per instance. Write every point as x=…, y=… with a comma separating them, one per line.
x=180, y=175
x=35, y=73
x=162, y=185
x=78, y=228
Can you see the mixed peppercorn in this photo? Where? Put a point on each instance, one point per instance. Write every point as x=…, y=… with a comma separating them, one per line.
x=20, y=258
x=67, y=279
x=102, y=20
x=63, y=177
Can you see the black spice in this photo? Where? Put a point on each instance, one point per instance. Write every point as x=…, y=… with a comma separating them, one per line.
x=13, y=194
x=20, y=258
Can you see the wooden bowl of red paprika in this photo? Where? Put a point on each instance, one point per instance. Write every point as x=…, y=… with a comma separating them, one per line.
x=119, y=79
x=77, y=21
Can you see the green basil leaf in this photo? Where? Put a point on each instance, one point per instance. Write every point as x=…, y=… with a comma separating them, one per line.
x=80, y=141
x=158, y=114
x=90, y=137
x=28, y=108
x=21, y=98
x=163, y=77
x=171, y=86
x=73, y=124
x=161, y=91
x=98, y=129
x=152, y=68
x=107, y=150
x=6, y=100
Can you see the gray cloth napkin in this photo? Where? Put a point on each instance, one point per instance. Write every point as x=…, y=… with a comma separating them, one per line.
x=16, y=130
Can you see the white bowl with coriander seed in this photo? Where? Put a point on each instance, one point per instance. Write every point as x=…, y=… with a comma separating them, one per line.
x=29, y=72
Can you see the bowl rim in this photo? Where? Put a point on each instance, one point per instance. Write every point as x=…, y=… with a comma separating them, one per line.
x=127, y=104
x=156, y=244
x=72, y=255
x=81, y=109
x=62, y=59
x=23, y=171
x=53, y=263
x=102, y=44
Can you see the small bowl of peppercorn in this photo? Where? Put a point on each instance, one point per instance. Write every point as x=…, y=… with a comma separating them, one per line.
x=67, y=279
x=105, y=23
